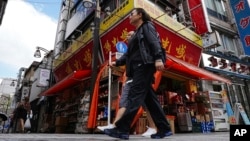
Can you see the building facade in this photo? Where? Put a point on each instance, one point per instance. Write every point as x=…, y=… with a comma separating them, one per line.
x=227, y=56
x=205, y=62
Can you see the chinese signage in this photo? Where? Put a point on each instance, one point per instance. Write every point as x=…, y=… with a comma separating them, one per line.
x=183, y=49
x=80, y=61
x=178, y=40
x=241, y=12
x=160, y=16
x=75, y=46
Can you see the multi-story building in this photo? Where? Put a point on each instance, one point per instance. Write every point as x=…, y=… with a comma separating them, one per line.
x=227, y=56
x=41, y=80
x=80, y=100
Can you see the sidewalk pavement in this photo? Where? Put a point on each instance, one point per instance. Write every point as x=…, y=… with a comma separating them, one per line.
x=213, y=136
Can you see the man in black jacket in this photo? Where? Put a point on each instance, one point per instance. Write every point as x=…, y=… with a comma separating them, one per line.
x=143, y=58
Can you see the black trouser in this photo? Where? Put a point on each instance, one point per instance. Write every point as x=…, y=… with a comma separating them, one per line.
x=141, y=91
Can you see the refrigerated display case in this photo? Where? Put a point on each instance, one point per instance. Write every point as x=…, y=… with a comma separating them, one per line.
x=218, y=111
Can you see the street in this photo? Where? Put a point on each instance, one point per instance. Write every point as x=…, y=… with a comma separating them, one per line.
x=214, y=136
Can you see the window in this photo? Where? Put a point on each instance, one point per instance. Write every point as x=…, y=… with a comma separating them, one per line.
x=78, y=8
x=216, y=8
x=228, y=43
x=217, y=88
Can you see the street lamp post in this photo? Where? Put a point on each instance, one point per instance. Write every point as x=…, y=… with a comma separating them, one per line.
x=89, y=4
x=47, y=63
x=37, y=54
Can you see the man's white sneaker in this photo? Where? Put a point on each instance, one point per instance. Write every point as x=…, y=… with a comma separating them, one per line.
x=149, y=132
x=102, y=128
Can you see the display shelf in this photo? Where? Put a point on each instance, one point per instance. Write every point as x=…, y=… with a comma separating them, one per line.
x=72, y=106
x=103, y=97
x=83, y=113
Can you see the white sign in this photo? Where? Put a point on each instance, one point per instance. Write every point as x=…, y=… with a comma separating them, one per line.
x=25, y=92
x=44, y=78
x=118, y=55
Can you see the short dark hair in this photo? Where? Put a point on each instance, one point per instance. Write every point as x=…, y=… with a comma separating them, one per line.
x=145, y=16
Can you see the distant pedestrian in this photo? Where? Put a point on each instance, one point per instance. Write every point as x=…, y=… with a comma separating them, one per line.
x=11, y=126
x=20, y=115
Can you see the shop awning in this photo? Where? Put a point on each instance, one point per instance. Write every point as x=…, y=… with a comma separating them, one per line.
x=231, y=74
x=67, y=82
x=178, y=66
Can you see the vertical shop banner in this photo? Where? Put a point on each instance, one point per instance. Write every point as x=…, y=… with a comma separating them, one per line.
x=230, y=113
x=44, y=77
x=241, y=13
x=199, y=16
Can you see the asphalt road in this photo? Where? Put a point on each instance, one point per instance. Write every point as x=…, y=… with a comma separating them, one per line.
x=214, y=136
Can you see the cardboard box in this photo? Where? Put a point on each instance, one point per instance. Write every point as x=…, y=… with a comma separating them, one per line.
x=207, y=118
x=202, y=118
x=141, y=126
x=198, y=118
x=184, y=122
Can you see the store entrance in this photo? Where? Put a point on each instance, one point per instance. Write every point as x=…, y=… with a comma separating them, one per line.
x=176, y=102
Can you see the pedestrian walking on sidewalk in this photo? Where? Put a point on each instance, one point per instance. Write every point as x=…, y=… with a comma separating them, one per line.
x=144, y=57
x=124, y=100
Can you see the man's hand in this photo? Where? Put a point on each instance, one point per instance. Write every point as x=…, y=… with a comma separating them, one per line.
x=112, y=64
x=159, y=65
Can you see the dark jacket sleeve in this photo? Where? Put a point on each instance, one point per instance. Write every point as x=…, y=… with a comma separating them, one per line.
x=152, y=39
